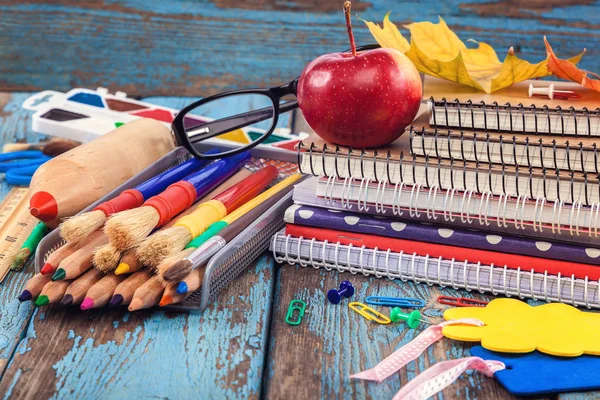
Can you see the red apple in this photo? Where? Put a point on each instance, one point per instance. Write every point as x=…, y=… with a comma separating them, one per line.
x=359, y=100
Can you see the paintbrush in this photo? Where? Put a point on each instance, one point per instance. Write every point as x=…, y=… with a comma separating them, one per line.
x=51, y=148
x=29, y=246
x=80, y=226
x=128, y=228
x=227, y=228
x=108, y=256
x=169, y=241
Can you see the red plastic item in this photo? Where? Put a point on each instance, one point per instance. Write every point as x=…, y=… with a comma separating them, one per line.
x=242, y=192
x=447, y=252
x=461, y=301
x=176, y=198
x=128, y=199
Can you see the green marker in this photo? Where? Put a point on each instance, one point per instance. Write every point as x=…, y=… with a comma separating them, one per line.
x=29, y=247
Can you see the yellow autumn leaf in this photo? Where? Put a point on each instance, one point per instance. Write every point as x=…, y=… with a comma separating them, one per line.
x=436, y=50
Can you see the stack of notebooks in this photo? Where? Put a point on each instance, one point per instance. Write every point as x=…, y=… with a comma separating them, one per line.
x=484, y=192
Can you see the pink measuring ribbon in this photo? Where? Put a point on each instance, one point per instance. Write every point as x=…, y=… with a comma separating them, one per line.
x=410, y=351
x=442, y=374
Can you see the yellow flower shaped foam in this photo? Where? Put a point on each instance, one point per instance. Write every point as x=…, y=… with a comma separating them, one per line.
x=512, y=326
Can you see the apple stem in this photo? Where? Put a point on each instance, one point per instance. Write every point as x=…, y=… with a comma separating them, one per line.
x=347, y=6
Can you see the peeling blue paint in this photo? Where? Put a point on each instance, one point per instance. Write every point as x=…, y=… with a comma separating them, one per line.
x=151, y=357
x=8, y=393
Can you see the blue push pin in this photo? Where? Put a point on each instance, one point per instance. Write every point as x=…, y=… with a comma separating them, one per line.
x=346, y=290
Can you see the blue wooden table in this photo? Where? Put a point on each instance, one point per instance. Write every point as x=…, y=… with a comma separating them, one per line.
x=240, y=347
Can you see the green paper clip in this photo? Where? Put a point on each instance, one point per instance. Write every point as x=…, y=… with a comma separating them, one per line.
x=295, y=305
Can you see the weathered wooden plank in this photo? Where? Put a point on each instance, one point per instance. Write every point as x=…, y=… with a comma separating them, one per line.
x=14, y=316
x=218, y=353
x=315, y=359
x=177, y=47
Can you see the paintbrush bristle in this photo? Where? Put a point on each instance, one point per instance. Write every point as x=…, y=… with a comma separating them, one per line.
x=106, y=258
x=79, y=227
x=128, y=228
x=162, y=244
x=20, y=259
x=178, y=268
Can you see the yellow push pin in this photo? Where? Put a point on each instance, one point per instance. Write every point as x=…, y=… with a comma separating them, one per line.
x=412, y=320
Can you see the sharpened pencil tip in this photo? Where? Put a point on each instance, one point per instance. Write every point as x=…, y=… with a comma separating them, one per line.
x=87, y=304
x=182, y=288
x=67, y=300
x=47, y=269
x=166, y=300
x=42, y=300
x=123, y=268
x=116, y=301
x=25, y=296
x=59, y=275
x=135, y=304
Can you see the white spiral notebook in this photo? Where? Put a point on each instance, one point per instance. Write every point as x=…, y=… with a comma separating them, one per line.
x=458, y=275
x=518, y=215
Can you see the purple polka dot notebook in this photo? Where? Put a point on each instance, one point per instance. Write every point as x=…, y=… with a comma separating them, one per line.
x=410, y=230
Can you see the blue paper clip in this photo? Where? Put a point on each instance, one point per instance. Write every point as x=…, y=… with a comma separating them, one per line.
x=406, y=302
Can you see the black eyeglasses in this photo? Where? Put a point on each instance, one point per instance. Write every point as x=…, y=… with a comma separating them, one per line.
x=256, y=110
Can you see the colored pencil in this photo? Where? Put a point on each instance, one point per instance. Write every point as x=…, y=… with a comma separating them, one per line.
x=76, y=291
x=147, y=295
x=128, y=228
x=29, y=246
x=70, y=182
x=80, y=226
x=192, y=282
x=81, y=260
x=57, y=256
x=170, y=296
x=52, y=292
x=100, y=294
x=162, y=244
x=130, y=262
x=34, y=287
x=176, y=271
x=124, y=292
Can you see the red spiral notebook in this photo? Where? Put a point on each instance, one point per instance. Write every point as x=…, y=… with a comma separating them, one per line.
x=512, y=261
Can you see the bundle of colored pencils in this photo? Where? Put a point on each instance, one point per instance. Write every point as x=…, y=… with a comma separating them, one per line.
x=124, y=264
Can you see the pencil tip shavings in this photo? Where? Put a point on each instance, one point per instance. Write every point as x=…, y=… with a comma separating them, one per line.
x=537, y=373
x=512, y=326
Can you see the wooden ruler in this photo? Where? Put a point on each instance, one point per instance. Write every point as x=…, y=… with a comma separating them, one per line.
x=16, y=223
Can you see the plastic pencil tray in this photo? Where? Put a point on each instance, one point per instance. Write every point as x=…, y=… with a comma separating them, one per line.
x=232, y=259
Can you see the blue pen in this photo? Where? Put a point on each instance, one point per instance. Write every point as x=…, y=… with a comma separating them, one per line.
x=181, y=195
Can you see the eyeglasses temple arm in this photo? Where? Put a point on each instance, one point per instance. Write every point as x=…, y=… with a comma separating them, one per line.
x=224, y=125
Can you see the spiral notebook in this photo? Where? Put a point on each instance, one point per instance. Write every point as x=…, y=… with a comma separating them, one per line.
x=500, y=242
x=519, y=215
x=411, y=267
x=512, y=110
x=447, y=251
x=508, y=127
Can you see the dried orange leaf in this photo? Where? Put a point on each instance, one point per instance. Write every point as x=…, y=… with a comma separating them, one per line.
x=566, y=69
x=436, y=50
